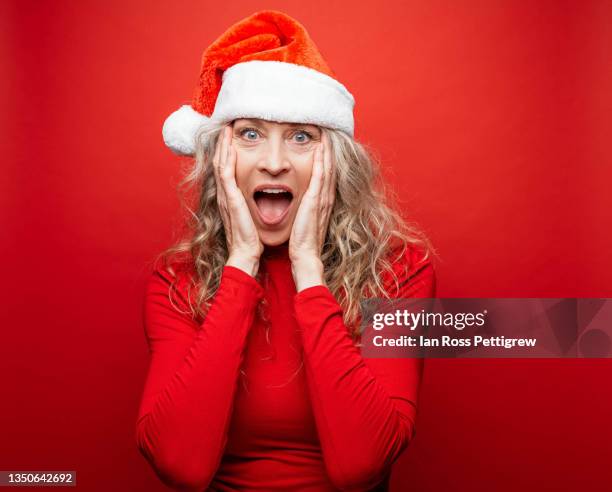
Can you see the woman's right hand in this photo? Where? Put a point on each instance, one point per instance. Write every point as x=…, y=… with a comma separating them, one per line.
x=243, y=242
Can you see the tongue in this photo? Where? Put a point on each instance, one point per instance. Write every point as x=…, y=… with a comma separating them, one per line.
x=272, y=206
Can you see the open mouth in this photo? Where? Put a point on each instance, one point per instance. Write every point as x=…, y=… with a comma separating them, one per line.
x=272, y=204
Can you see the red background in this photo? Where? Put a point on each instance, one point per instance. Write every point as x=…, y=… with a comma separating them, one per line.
x=491, y=119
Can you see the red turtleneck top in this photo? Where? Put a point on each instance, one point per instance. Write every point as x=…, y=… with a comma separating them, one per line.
x=225, y=409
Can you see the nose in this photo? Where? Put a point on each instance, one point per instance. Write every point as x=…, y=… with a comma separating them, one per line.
x=274, y=160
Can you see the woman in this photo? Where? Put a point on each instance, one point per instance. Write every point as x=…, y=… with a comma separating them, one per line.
x=256, y=379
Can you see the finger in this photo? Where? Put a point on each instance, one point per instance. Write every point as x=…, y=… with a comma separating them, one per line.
x=235, y=198
x=216, y=161
x=234, y=195
x=221, y=197
x=230, y=166
x=223, y=156
x=217, y=171
x=323, y=199
x=316, y=190
x=327, y=168
x=316, y=178
x=228, y=141
x=330, y=192
x=333, y=173
x=217, y=146
x=226, y=171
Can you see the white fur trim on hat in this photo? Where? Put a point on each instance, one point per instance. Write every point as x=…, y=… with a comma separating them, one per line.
x=284, y=92
x=180, y=128
x=269, y=90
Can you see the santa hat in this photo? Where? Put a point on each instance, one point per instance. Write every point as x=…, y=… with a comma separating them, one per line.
x=265, y=66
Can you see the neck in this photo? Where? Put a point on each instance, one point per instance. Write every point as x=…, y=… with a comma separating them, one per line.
x=278, y=251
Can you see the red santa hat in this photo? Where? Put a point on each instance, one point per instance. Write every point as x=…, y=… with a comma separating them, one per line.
x=265, y=66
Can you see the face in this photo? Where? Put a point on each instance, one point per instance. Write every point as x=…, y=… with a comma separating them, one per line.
x=273, y=155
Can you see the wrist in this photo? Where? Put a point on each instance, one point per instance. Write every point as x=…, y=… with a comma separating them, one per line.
x=247, y=265
x=307, y=273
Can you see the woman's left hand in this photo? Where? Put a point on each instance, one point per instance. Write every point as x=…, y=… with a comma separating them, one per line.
x=312, y=219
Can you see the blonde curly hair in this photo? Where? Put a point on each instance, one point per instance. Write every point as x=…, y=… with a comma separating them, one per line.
x=364, y=229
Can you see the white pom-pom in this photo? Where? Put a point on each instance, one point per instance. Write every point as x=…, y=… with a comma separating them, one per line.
x=180, y=128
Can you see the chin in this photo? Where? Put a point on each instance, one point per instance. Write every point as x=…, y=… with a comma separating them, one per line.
x=273, y=238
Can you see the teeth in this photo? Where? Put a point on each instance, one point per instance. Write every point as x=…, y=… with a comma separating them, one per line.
x=268, y=190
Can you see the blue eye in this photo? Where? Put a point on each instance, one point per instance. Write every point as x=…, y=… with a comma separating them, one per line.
x=303, y=136
x=304, y=132
x=249, y=130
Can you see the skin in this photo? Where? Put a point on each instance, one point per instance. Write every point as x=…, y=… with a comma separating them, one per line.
x=275, y=153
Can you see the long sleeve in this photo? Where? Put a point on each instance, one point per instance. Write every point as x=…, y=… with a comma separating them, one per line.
x=188, y=396
x=365, y=409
